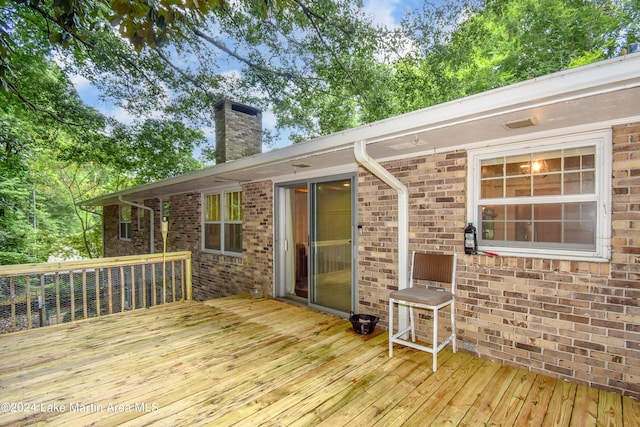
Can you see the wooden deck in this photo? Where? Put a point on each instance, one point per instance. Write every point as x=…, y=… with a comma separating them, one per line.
x=239, y=361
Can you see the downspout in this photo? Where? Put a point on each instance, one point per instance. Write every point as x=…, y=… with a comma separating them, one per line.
x=152, y=235
x=362, y=157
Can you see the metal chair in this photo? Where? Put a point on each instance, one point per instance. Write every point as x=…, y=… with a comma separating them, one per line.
x=435, y=268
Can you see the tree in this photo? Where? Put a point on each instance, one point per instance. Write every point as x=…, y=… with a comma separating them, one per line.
x=300, y=60
x=499, y=42
x=158, y=149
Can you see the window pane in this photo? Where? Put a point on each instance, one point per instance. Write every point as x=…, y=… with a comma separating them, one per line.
x=580, y=211
x=549, y=232
x=212, y=236
x=518, y=231
x=233, y=238
x=588, y=182
x=547, y=185
x=492, y=225
x=549, y=161
x=212, y=207
x=519, y=212
x=582, y=233
x=233, y=208
x=518, y=165
x=572, y=163
x=572, y=183
x=492, y=168
x=125, y=213
x=518, y=186
x=492, y=188
x=589, y=161
x=125, y=230
x=547, y=212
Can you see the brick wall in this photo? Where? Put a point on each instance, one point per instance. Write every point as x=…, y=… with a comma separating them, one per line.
x=257, y=235
x=573, y=320
x=113, y=245
x=214, y=275
x=139, y=243
x=220, y=275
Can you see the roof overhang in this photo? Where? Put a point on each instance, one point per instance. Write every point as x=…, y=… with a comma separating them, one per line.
x=599, y=94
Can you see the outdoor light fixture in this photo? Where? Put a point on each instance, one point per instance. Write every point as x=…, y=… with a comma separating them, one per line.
x=521, y=123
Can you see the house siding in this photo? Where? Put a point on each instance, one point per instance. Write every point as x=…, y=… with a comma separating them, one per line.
x=570, y=319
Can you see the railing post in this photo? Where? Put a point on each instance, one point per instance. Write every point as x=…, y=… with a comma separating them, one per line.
x=85, y=308
x=188, y=277
x=43, y=307
x=14, y=317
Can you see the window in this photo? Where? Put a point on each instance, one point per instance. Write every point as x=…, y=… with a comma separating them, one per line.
x=550, y=200
x=223, y=222
x=125, y=222
x=141, y=218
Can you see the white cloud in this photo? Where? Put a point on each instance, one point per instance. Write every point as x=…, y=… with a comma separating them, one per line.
x=383, y=11
x=120, y=114
x=269, y=120
x=80, y=82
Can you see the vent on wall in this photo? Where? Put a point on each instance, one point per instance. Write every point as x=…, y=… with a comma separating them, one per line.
x=521, y=123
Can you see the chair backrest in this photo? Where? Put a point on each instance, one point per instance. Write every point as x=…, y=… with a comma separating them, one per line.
x=434, y=267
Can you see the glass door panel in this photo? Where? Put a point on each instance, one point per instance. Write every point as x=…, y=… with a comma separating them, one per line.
x=331, y=245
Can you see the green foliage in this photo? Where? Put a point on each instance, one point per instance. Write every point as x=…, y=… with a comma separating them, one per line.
x=500, y=42
x=10, y=258
x=158, y=149
x=319, y=66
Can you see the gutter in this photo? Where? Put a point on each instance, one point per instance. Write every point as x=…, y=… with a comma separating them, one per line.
x=152, y=236
x=363, y=158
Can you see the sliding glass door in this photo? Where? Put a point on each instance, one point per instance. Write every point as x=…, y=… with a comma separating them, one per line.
x=315, y=243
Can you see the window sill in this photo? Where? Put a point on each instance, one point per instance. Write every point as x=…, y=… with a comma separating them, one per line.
x=542, y=253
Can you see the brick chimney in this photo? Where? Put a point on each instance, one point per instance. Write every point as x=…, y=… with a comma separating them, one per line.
x=238, y=130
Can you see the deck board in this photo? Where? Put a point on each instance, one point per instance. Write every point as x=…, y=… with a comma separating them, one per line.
x=242, y=361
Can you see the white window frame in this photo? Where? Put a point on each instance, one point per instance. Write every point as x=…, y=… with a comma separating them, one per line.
x=122, y=221
x=223, y=221
x=601, y=140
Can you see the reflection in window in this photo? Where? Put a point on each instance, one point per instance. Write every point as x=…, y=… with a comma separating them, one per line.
x=125, y=222
x=544, y=199
x=223, y=233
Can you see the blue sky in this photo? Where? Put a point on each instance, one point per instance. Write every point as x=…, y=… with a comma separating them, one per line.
x=387, y=12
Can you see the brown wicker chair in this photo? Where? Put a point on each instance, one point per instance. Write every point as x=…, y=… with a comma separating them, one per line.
x=438, y=269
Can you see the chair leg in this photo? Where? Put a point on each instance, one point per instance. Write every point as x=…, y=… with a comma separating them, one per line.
x=390, y=327
x=453, y=325
x=413, y=325
x=435, y=340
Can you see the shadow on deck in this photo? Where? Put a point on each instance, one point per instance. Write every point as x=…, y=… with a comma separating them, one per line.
x=240, y=361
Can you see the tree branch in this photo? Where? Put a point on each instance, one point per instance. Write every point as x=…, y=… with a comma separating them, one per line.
x=36, y=108
x=239, y=57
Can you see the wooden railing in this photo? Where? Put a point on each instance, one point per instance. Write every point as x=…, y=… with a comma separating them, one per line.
x=34, y=295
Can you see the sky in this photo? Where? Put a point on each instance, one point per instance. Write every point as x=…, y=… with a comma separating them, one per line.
x=387, y=12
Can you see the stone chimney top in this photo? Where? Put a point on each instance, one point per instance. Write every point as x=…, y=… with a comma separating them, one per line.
x=238, y=130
